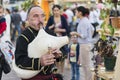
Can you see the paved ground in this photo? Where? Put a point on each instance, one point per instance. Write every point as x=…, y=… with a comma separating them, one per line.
x=10, y=76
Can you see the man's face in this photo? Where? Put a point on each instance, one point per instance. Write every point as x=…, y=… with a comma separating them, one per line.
x=36, y=18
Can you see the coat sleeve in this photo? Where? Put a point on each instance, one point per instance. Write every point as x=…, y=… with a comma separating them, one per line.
x=65, y=25
x=21, y=56
x=49, y=23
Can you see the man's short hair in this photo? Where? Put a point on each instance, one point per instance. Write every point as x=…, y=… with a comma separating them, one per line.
x=31, y=8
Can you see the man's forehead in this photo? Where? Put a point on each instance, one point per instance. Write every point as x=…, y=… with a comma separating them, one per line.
x=36, y=9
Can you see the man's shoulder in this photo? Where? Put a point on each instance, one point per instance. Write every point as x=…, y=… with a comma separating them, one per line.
x=26, y=32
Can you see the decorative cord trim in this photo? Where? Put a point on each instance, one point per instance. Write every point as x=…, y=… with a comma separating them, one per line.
x=25, y=37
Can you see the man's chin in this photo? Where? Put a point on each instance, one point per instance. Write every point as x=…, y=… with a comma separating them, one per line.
x=38, y=28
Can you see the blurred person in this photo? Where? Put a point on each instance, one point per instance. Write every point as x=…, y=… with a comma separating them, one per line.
x=57, y=26
x=64, y=14
x=74, y=57
x=87, y=13
x=35, y=17
x=16, y=20
x=23, y=15
x=94, y=19
x=84, y=38
x=2, y=29
x=70, y=15
x=2, y=21
x=75, y=20
x=7, y=36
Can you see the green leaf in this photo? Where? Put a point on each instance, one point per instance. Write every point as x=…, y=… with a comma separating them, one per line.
x=103, y=24
x=26, y=4
x=112, y=30
x=103, y=37
x=114, y=46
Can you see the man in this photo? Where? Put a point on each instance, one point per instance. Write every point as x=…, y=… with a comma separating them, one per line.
x=23, y=15
x=70, y=15
x=35, y=18
x=94, y=19
x=16, y=20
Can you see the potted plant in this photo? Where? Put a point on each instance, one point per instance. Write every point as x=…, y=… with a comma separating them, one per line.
x=108, y=14
x=106, y=51
x=115, y=19
x=106, y=45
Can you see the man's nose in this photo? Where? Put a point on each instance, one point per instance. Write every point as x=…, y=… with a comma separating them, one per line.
x=41, y=20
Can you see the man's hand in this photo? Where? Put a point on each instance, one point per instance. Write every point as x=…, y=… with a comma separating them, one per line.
x=47, y=59
x=57, y=53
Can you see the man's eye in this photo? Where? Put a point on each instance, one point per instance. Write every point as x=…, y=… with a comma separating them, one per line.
x=36, y=16
x=43, y=15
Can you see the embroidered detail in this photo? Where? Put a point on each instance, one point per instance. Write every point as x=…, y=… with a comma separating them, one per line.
x=32, y=32
x=29, y=68
x=39, y=64
x=25, y=38
x=33, y=63
x=45, y=70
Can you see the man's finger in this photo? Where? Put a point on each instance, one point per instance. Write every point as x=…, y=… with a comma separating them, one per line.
x=50, y=61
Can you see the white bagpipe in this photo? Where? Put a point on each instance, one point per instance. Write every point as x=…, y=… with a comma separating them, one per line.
x=37, y=48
